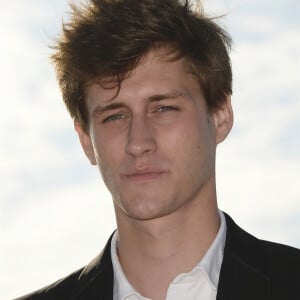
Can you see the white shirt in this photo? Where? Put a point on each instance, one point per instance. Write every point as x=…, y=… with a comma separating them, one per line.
x=200, y=283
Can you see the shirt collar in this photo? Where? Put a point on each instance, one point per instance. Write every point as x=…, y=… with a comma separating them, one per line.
x=210, y=263
x=122, y=287
x=212, y=260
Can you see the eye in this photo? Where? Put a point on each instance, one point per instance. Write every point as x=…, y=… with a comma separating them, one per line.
x=166, y=108
x=114, y=117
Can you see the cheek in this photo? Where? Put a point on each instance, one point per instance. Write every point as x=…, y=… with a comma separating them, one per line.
x=107, y=165
x=186, y=133
x=107, y=152
x=107, y=158
x=191, y=143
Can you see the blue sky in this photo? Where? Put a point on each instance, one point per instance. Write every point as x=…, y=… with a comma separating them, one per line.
x=55, y=213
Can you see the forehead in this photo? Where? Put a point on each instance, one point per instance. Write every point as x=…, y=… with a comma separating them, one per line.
x=157, y=72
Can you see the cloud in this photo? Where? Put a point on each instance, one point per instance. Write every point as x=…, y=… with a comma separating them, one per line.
x=261, y=155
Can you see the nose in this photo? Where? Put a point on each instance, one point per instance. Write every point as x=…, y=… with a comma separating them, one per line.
x=141, y=137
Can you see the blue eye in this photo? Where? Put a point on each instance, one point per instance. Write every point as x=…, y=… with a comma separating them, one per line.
x=166, y=108
x=114, y=117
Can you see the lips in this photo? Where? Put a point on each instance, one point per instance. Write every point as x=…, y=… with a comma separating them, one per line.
x=144, y=174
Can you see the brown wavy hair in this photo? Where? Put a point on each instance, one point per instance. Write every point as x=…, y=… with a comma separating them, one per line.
x=107, y=39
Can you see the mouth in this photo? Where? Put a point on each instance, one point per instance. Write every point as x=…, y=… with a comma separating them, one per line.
x=143, y=175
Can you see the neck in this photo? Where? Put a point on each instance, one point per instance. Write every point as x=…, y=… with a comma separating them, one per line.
x=166, y=246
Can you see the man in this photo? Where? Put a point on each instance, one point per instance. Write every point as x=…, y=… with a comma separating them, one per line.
x=148, y=84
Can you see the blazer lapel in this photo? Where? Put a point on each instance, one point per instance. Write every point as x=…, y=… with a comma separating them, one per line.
x=242, y=273
x=97, y=277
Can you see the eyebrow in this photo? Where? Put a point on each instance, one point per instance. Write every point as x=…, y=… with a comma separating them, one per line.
x=99, y=109
x=160, y=97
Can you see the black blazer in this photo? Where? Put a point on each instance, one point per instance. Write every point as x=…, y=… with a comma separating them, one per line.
x=252, y=269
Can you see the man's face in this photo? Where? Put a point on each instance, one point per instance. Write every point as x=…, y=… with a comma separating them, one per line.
x=155, y=142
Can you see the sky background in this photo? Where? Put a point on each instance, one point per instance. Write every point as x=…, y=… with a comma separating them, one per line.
x=55, y=213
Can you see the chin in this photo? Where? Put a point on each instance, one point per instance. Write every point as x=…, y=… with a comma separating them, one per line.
x=146, y=210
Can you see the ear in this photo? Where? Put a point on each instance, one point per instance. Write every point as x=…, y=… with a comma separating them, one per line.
x=86, y=142
x=223, y=120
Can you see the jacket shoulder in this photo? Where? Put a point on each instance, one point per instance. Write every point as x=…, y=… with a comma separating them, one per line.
x=282, y=260
x=94, y=281
x=64, y=288
x=262, y=269
x=269, y=257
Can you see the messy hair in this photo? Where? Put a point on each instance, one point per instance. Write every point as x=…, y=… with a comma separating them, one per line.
x=108, y=38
